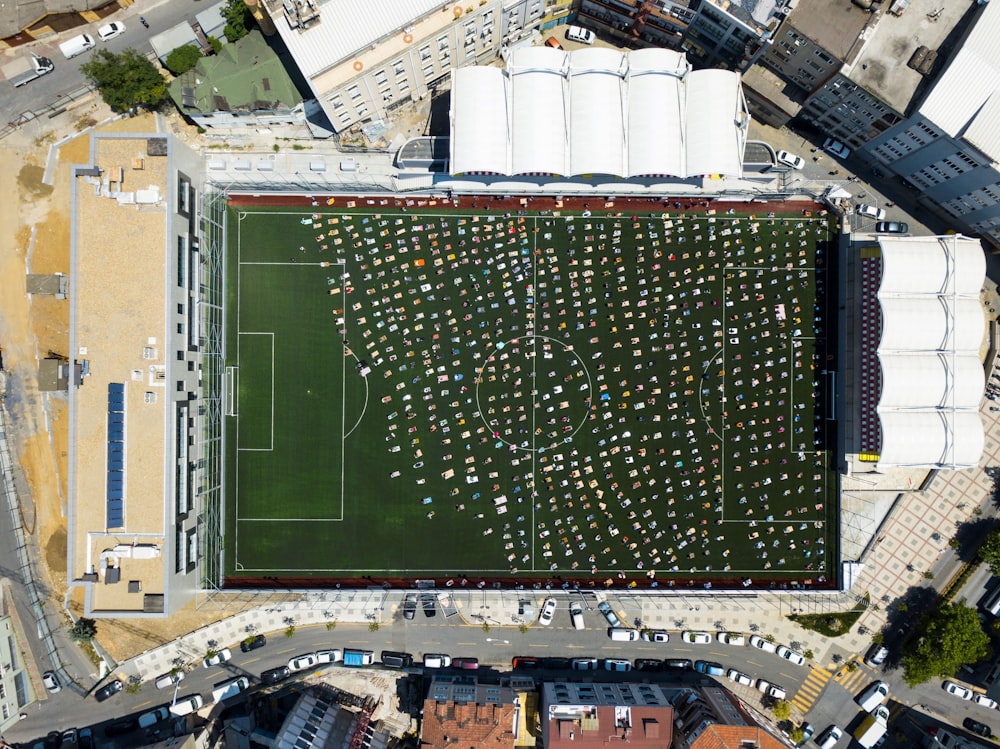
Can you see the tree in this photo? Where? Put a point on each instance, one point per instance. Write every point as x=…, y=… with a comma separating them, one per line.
x=84, y=630
x=797, y=735
x=126, y=80
x=239, y=20
x=782, y=710
x=990, y=552
x=182, y=59
x=952, y=636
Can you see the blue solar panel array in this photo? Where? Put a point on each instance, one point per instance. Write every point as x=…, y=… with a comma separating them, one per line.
x=116, y=455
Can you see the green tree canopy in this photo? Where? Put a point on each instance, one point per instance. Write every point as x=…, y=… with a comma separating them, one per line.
x=990, y=552
x=182, y=59
x=781, y=709
x=126, y=80
x=239, y=20
x=84, y=630
x=953, y=636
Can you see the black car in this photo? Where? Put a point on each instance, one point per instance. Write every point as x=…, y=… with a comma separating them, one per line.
x=678, y=663
x=410, y=605
x=892, y=227
x=978, y=728
x=396, y=659
x=108, y=690
x=121, y=727
x=648, y=664
x=427, y=601
x=274, y=675
x=252, y=643
x=557, y=663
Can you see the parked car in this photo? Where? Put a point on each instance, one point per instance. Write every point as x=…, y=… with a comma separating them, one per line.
x=553, y=42
x=892, y=227
x=623, y=634
x=696, y=638
x=548, y=611
x=648, y=664
x=302, y=662
x=807, y=733
x=874, y=695
x=576, y=615
x=617, y=664
x=187, y=705
x=709, y=667
x=836, y=148
x=829, y=737
x=329, y=656
x=51, y=682
x=169, y=679
x=987, y=702
x=605, y=608
x=756, y=641
x=655, y=635
x=409, y=605
x=396, y=659
x=274, y=675
x=876, y=656
x=558, y=663
x=253, y=643
x=109, y=31
x=682, y=663
x=739, y=677
x=153, y=717
x=771, y=690
x=436, y=660
x=523, y=663
x=791, y=656
x=429, y=604
x=580, y=34
x=790, y=159
x=218, y=657
x=869, y=211
x=976, y=727
x=466, y=664
x=963, y=693
x=731, y=638
x=108, y=690
x=584, y=664
x=86, y=738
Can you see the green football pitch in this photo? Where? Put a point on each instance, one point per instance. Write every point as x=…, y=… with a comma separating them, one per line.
x=439, y=393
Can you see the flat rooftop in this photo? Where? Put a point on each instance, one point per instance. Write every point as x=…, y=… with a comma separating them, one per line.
x=836, y=25
x=881, y=66
x=118, y=416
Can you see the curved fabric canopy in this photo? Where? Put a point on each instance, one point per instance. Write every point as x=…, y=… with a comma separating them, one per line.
x=933, y=326
x=597, y=111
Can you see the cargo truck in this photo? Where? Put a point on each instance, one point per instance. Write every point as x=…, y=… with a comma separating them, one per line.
x=873, y=727
x=27, y=69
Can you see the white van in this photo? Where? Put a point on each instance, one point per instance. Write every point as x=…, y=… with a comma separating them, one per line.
x=231, y=688
x=991, y=603
x=188, y=705
x=875, y=695
x=77, y=45
x=623, y=634
x=579, y=34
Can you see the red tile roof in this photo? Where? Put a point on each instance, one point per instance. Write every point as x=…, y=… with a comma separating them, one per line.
x=450, y=725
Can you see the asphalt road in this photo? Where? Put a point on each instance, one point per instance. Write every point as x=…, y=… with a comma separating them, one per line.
x=66, y=78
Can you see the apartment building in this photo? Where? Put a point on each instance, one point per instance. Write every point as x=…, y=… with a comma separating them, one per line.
x=730, y=35
x=948, y=149
x=363, y=62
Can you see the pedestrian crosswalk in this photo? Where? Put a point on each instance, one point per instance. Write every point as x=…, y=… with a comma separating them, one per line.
x=818, y=680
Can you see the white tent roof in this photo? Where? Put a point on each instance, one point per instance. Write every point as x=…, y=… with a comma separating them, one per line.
x=479, y=120
x=931, y=323
x=951, y=439
x=655, y=107
x=715, y=107
x=576, y=114
x=933, y=326
x=538, y=107
x=932, y=265
x=931, y=380
x=597, y=138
